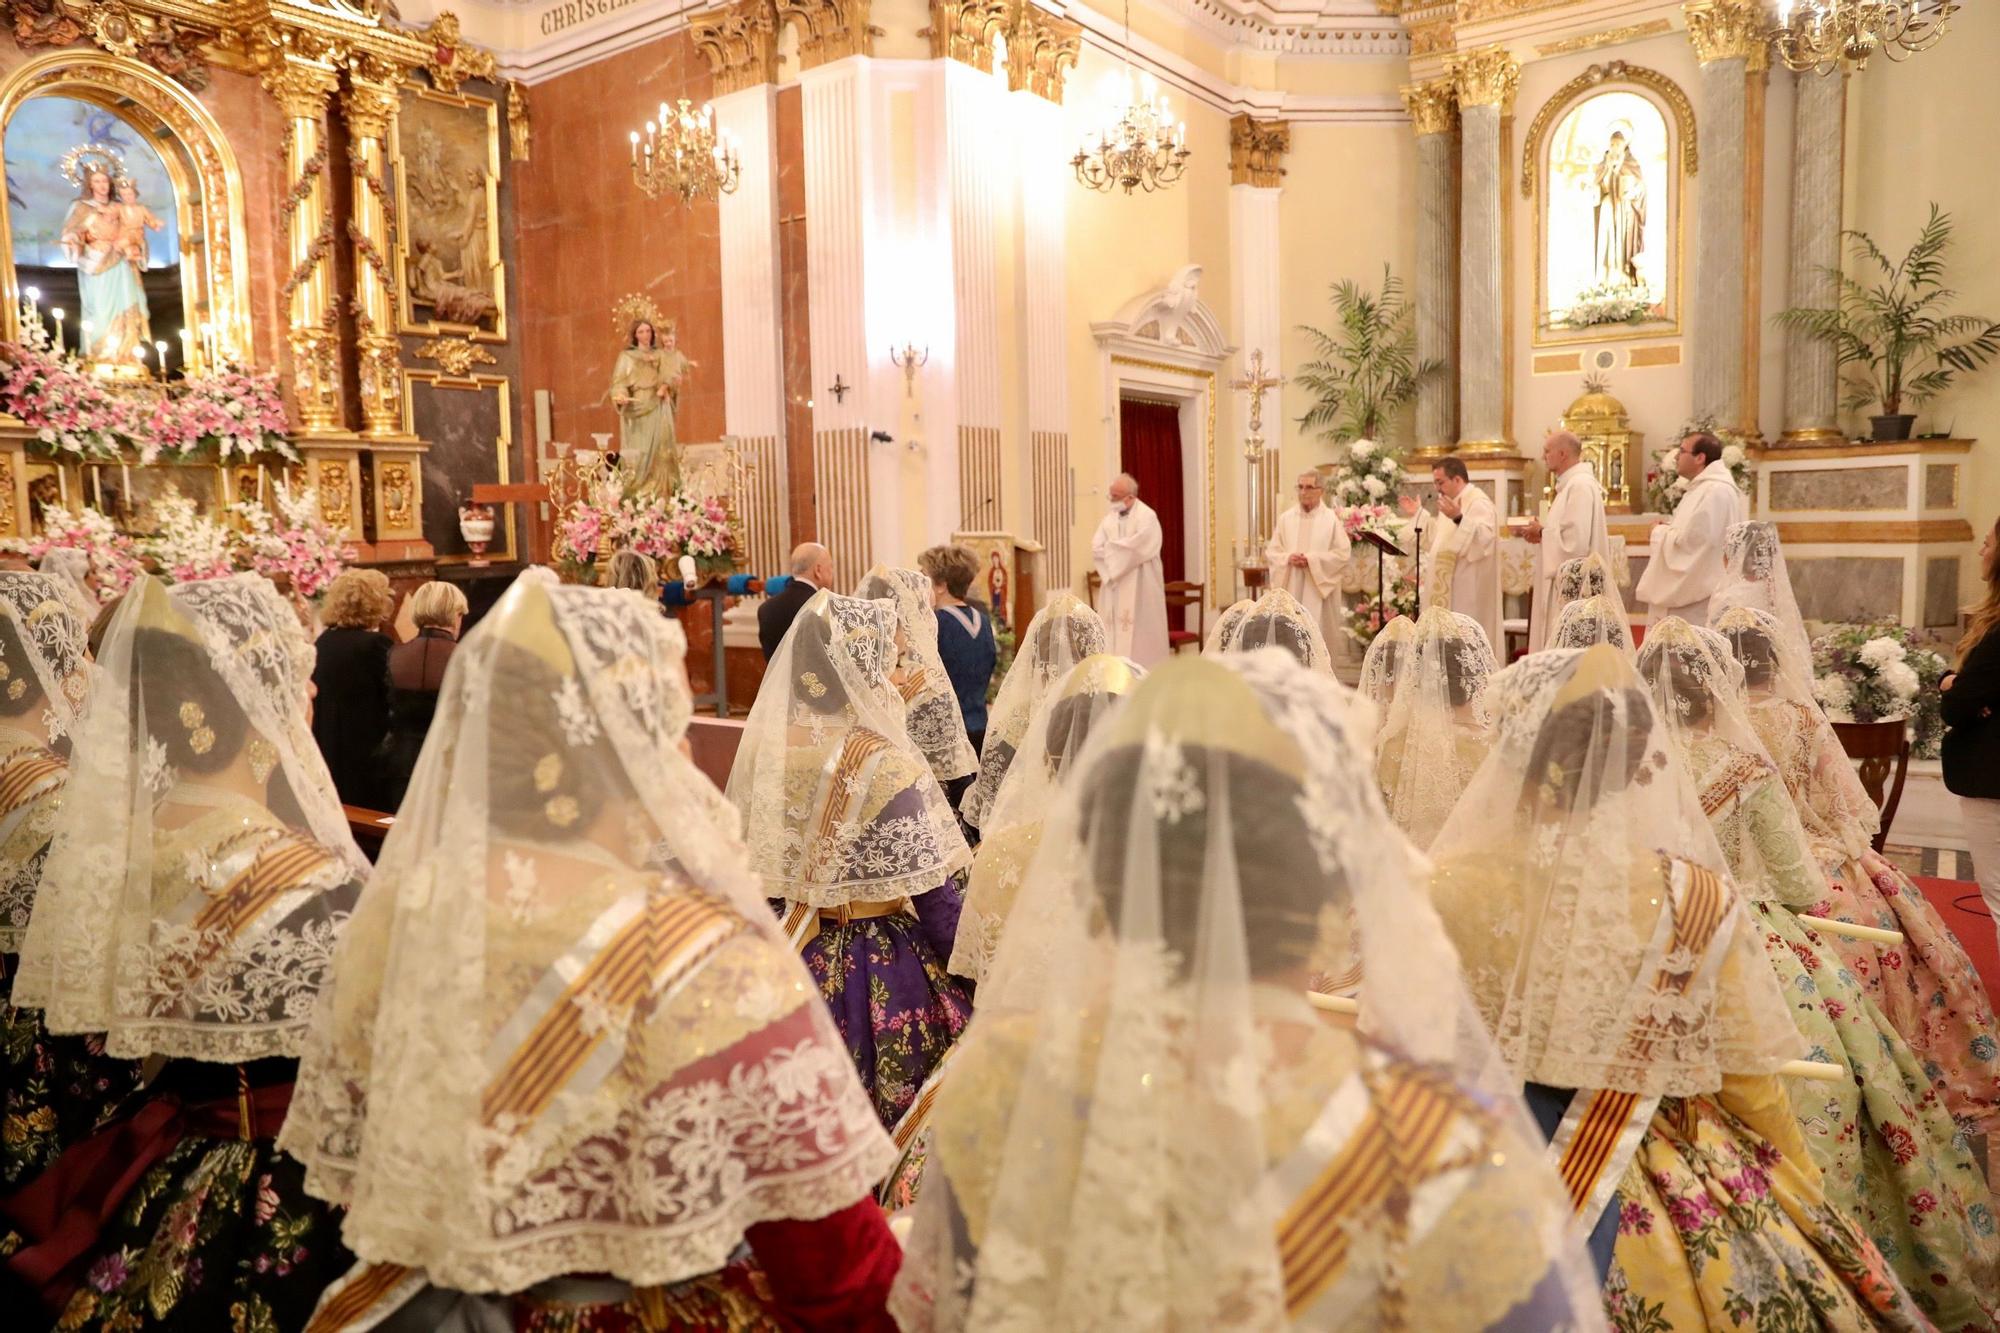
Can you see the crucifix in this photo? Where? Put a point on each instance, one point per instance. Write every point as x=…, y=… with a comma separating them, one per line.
x=1256, y=382
x=839, y=389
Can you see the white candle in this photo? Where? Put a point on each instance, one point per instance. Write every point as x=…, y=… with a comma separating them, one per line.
x=227, y=498
x=260, y=483
x=97, y=486
x=62, y=484
x=125, y=482
x=160, y=347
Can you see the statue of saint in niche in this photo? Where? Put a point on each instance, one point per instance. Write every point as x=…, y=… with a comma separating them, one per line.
x=1620, y=214
x=646, y=390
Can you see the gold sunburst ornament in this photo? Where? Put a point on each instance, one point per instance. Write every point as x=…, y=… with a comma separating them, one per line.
x=1824, y=35
x=79, y=162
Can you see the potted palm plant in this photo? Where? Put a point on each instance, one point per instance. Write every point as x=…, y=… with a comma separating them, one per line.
x=1365, y=370
x=1893, y=340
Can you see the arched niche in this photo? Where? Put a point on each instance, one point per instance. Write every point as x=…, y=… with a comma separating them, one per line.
x=160, y=121
x=1606, y=160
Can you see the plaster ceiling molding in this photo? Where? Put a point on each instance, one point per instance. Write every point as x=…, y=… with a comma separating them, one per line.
x=1532, y=29
x=1351, y=28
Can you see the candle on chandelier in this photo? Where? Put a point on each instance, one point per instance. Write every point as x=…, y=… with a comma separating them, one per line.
x=635, y=148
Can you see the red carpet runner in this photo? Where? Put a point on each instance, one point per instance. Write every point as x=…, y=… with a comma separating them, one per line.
x=1958, y=902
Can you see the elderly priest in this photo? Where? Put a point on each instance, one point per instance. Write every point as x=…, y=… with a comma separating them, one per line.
x=1308, y=554
x=1573, y=529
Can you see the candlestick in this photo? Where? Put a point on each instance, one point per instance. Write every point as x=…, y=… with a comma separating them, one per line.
x=97, y=486
x=60, y=348
x=260, y=483
x=227, y=500
x=125, y=483
x=62, y=484
x=160, y=347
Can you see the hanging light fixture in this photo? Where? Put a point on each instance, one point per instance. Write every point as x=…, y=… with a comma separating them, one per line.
x=1139, y=146
x=683, y=154
x=1822, y=35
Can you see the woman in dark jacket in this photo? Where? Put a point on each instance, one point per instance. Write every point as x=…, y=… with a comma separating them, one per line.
x=351, y=669
x=1972, y=729
x=416, y=671
x=965, y=642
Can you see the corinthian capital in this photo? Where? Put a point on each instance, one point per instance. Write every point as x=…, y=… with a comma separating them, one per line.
x=1724, y=30
x=1433, y=105
x=740, y=43
x=1487, y=77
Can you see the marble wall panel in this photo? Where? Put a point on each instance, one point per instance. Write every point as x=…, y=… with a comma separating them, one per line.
x=1846, y=489
x=1940, y=485
x=1848, y=588
x=1940, y=591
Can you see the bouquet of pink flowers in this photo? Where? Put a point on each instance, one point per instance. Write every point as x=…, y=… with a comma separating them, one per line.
x=664, y=528
x=235, y=412
x=113, y=561
x=295, y=543
x=70, y=411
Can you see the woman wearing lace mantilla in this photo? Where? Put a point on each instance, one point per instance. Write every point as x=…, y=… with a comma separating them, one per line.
x=1059, y=636
x=1223, y=630
x=930, y=708
x=1437, y=728
x=1596, y=619
x=53, y=1090
x=1588, y=577
x=1754, y=576
x=1150, y=1127
x=1053, y=744
x=1622, y=976
x=564, y=1035
x=1926, y=985
x=1278, y=620
x=1382, y=664
x=1892, y=1156
x=854, y=839
x=200, y=871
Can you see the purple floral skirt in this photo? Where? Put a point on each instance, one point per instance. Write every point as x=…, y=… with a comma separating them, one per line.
x=896, y=1007
x=53, y=1090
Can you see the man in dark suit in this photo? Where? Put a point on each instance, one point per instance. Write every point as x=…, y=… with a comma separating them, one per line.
x=812, y=569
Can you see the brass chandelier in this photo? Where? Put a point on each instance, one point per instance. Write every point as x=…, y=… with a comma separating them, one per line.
x=1822, y=35
x=1139, y=146
x=683, y=154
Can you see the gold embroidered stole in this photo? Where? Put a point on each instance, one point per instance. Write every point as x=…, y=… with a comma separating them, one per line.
x=1385, y=1137
x=1602, y=1128
x=573, y=1023
x=28, y=773
x=839, y=798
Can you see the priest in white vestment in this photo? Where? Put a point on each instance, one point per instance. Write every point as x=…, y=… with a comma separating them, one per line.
x=1574, y=528
x=1308, y=554
x=1684, y=566
x=1462, y=548
x=1132, y=595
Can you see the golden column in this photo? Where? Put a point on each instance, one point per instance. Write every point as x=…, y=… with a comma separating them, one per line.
x=302, y=86
x=370, y=107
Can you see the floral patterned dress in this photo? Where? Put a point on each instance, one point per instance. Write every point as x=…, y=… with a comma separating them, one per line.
x=1926, y=986
x=1722, y=1224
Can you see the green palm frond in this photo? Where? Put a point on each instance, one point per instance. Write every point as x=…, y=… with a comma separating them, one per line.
x=1366, y=369
x=1884, y=332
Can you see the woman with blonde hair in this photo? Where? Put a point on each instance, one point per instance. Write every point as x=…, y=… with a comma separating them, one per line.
x=416, y=673
x=351, y=675
x=635, y=572
x=1972, y=736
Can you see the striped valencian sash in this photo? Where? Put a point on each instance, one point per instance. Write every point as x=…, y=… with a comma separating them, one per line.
x=915, y=685
x=363, y=1297
x=284, y=871
x=843, y=787
x=572, y=1025
x=27, y=774
x=1601, y=1129
x=1725, y=785
x=1394, y=1143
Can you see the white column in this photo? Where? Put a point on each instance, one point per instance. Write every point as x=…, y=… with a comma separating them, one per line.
x=1254, y=292
x=753, y=362
x=1046, y=183
x=1485, y=82
x=1434, y=114
x=1812, y=396
x=980, y=189
x=1727, y=36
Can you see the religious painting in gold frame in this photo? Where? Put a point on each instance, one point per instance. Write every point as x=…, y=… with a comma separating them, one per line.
x=455, y=439
x=1606, y=161
x=450, y=274
x=174, y=130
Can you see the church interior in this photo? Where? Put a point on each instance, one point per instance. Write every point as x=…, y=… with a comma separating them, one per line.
x=784, y=294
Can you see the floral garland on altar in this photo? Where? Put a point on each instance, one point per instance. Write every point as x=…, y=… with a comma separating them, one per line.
x=231, y=413
x=663, y=527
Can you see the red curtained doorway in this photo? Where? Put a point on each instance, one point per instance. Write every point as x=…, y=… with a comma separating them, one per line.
x=1149, y=447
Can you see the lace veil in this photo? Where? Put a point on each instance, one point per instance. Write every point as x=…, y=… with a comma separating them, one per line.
x=1278, y=620
x=930, y=705
x=1596, y=619
x=1437, y=726
x=1832, y=803
x=202, y=865
x=838, y=805
x=1558, y=874
x=1382, y=664
x=1059, y=636
x=563, y=1033
x=1116, y=1144
x=43, y=676
x=1754, y=576
x=69, y=566
x=1223, y=632
x=1586, y=576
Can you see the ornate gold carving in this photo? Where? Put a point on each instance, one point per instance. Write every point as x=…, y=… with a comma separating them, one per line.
x=399, y=491
x=740, y=43
x=1725, y=30
x=451, y=62
x=829, y=30
x=1479, y=11
x=1257, y=151
x=9, y=517
x=1609, y=37
x=1427, y=39
x=1612, y=71
x=519, y=133
x=1433, y=105
x=173, y=48
x=336, y=503
x=1486, y=77
x=446, y=282
x=1041, y=50
x=456, y=355
x=963, y=30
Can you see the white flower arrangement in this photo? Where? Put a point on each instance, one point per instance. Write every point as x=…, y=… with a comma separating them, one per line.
x=1364, y=471
x=1607, y=303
